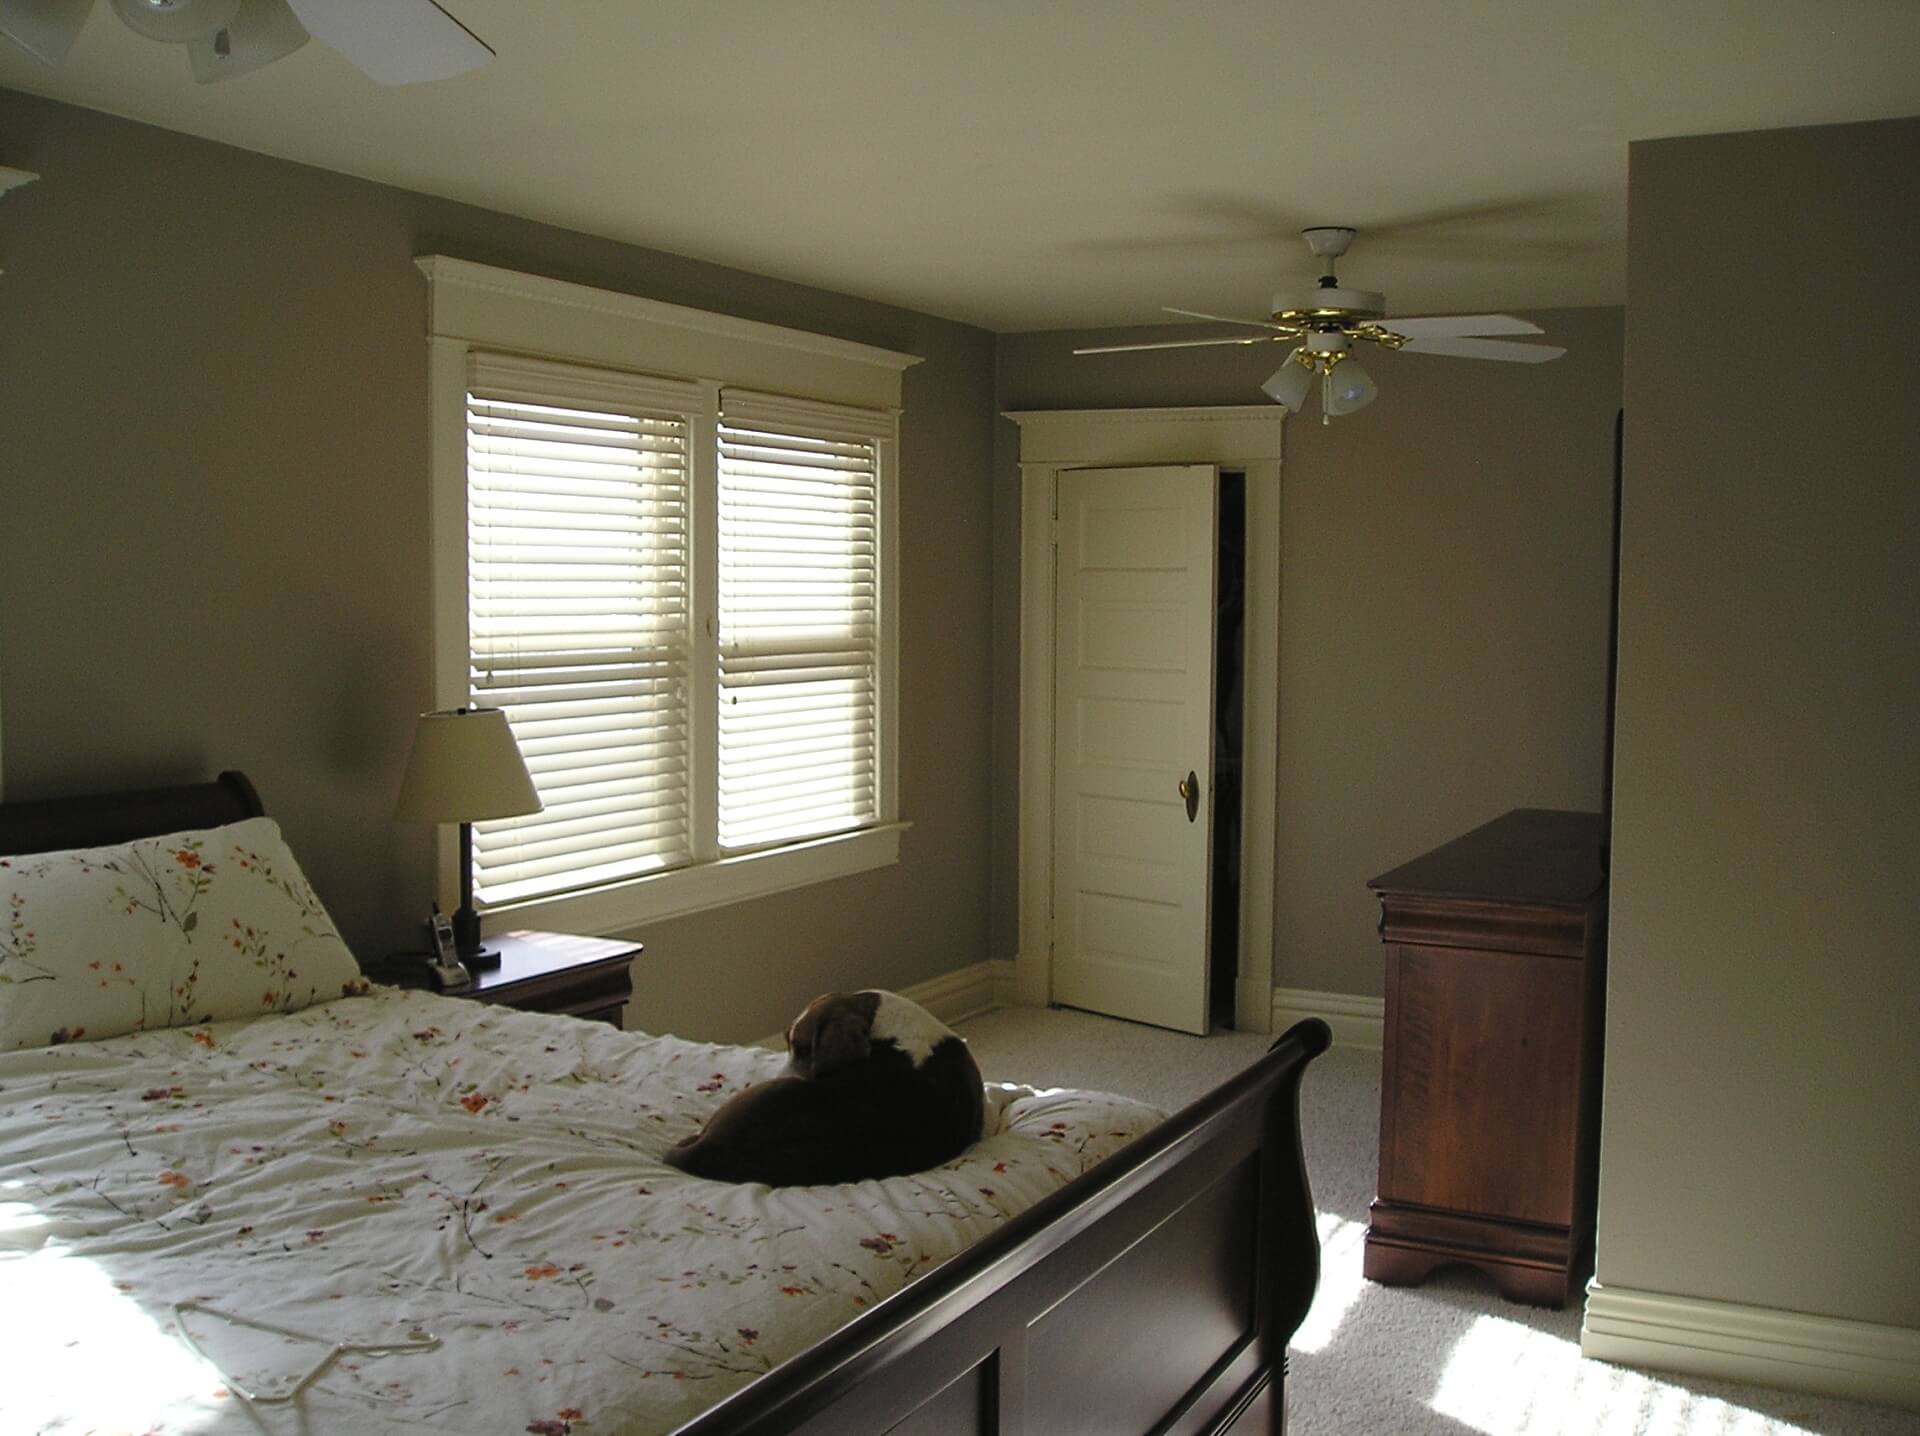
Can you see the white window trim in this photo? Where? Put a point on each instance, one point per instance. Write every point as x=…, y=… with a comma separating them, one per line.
x=475, y=306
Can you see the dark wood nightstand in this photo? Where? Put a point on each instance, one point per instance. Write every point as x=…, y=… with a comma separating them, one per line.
x=587, y=977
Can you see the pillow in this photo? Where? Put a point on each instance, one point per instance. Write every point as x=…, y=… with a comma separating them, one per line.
x=162, y=932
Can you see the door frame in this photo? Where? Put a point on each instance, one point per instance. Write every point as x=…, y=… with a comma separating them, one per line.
x=1242, y=437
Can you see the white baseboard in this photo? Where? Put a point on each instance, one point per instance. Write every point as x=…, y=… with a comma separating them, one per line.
x=950, y=997
x=1856, y=1360
x=1356, y=1021
x=967, y=993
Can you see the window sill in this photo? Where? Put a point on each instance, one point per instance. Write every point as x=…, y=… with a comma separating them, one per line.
x=619, y=907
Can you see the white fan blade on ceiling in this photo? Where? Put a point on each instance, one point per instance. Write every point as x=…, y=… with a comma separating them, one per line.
x=395, y=42
x=260, y=32
x=1444, y=326
x=1485, y=349
x=1179, y=344
x=45, y=29
x=1225, y=319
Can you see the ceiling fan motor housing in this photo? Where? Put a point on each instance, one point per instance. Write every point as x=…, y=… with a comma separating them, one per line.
x=1322, y=307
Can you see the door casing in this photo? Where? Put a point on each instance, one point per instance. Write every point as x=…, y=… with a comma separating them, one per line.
x=1246, y=438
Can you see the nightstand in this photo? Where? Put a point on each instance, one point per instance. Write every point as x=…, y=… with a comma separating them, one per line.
x=587, y=977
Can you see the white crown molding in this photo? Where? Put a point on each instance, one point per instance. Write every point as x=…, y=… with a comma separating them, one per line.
x=488, y=307
x=1231, y=434
x=1356, y=1021
x=443, y=269
x=1855, y=1360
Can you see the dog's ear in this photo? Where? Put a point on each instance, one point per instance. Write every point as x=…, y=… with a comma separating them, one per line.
x=843, y=1036
x=800, y=1036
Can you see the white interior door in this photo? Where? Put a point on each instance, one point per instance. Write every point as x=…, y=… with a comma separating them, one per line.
x=1133, y=735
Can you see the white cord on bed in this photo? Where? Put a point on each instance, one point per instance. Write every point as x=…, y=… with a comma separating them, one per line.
x=419, y=1341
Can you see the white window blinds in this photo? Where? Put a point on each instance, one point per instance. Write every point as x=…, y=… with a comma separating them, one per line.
x=798, y=618
x=578, y=615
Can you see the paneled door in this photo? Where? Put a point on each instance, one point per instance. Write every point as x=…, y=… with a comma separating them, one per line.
x=1133, y=742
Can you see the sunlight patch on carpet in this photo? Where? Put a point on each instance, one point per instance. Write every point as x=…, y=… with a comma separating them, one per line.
x=1509, y=1380
x=1340, y=1282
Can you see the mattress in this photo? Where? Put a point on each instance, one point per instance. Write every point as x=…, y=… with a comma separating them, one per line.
x=453, y=1214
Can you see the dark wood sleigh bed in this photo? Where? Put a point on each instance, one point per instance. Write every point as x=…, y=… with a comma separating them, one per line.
x=1155, y=1293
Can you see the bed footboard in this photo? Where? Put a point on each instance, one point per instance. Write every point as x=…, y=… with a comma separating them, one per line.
x=1154, y=1294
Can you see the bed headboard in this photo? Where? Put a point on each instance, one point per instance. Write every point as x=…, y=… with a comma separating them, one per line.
x=97, y=819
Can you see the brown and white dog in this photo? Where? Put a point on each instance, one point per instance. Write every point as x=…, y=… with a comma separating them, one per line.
x=875, y=1086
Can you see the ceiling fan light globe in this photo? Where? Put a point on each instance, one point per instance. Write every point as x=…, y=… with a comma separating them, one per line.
x=175, y=22
x=1289, y=384
x=1348, y=387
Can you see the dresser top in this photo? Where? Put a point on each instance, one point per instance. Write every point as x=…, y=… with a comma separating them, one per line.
x=1529, y=855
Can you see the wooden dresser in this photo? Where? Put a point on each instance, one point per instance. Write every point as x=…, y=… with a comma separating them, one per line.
x=1490, y=1081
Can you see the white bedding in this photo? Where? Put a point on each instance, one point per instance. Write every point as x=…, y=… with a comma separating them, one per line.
x=378, y=1166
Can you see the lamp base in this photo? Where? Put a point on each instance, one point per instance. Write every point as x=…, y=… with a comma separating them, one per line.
x=485, y=960
x=466, y=941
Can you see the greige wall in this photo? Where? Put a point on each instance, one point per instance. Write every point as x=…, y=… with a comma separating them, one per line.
x=1759, y=1141
x=1445, y=586
x=213, y=524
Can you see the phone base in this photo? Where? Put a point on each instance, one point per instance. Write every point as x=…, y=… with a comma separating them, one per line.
x=449, y=975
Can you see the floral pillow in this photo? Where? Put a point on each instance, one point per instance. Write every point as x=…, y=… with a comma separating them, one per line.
x=162, y=932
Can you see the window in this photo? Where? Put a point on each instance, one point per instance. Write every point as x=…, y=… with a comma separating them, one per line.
x=798, y=624
x=680, y=592
x=578, y=620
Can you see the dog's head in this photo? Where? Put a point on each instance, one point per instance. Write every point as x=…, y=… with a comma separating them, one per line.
x=833, y=1030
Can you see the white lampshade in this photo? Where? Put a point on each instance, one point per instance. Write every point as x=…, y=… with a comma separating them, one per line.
x=1289, y=383
x=465, y=768
x=1348, y=387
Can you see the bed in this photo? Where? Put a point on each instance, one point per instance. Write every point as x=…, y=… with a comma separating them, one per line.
x=382, y=1211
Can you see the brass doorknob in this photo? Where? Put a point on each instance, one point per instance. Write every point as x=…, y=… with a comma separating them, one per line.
x=1190, y=790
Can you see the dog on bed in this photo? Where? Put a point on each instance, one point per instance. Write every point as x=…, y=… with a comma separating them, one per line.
x=874, y=1087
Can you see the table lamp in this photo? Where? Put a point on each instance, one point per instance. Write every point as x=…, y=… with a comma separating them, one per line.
x=465, y=768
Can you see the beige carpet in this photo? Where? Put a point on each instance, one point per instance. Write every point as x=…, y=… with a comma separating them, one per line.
x=1448, y=1357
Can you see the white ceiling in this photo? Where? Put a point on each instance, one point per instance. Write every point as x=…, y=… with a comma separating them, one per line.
x=1029, y=164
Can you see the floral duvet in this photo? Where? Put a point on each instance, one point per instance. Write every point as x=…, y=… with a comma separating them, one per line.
x=411, y=1167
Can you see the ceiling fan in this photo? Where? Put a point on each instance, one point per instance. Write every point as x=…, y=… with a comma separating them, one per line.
x=395, y=42
x=1326, y=324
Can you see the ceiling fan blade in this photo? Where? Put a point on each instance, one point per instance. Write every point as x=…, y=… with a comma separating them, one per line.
x=1180, y=344
x=1445, y=326
x=260, y=32
x=1226, y=319
x=1485, y=349
x=45, y=29
x=395, y=42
